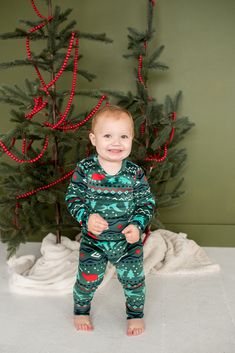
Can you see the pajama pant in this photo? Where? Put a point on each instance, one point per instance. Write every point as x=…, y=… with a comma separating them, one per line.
x=128, y=260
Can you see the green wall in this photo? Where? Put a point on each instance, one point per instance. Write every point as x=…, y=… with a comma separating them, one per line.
x=200, y=50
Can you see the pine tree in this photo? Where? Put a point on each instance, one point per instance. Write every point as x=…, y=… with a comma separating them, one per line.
x=42, y=143
x=158, y=128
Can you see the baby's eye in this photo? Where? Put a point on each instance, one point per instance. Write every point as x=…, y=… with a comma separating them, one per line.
x=124, y=137
x=107, y=135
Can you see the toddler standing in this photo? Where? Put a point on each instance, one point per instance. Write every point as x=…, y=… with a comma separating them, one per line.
x=111, y=199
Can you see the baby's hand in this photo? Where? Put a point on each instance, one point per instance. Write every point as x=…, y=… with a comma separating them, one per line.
x=131, y=233
x=96, y=224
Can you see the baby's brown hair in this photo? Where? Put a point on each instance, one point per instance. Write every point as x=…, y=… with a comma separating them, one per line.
x=115, y=110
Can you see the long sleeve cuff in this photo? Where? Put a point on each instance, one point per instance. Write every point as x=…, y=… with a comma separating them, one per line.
x=138, y=225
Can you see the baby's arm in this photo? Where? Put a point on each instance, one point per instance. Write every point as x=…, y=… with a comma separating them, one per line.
x=144, y=202
x=75, y=197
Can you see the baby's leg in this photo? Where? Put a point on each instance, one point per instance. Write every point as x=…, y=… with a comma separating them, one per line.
x=131, y=275
x=92, y=265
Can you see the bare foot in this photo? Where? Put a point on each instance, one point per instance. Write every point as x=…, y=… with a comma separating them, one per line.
x=135, y=327
x=83, y=323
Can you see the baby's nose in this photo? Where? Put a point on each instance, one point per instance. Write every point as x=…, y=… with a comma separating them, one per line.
x=116, y=141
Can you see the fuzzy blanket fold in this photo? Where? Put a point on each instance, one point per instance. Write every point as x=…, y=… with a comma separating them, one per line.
x=165, y=253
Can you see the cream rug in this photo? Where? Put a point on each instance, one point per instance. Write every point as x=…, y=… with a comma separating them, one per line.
x=54, y=273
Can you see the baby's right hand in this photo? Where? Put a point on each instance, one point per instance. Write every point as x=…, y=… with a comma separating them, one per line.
x=96, y=224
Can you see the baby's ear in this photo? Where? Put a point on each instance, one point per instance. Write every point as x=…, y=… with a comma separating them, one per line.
x=92, y=138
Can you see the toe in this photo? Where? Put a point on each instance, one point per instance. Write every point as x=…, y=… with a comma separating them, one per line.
x=129, y=332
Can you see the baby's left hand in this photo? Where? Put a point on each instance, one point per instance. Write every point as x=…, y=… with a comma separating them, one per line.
x=131, y=233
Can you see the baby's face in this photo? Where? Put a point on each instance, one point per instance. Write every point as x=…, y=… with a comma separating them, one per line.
x=112, y=137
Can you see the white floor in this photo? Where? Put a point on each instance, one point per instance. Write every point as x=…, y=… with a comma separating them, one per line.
x=183, y=315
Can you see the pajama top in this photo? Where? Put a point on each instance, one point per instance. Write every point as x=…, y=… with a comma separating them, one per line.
x=121, y=199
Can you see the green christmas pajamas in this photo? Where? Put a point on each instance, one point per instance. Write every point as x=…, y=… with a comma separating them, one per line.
x=121, y=199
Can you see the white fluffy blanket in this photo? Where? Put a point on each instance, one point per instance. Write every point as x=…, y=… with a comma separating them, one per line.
x=165, y=253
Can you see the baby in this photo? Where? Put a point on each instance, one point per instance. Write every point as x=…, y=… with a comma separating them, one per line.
x=111, y=199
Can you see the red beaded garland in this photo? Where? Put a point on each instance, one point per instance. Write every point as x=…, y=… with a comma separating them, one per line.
x=39, y=105
x=36, y=10
x=89, y=116
x=156, y=158
x=29, y=145
x=45, y=86
x=13, y=141
x=45, y=187
x=18, y=160
x=24, y=145
x=28, y=51
x=142, y=128
x=140, y=78
x=36, y=110
x=173, y=117
x=52, y=82
x=64, y=116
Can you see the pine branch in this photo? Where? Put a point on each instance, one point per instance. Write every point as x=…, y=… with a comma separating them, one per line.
x=25, y=62
x=158, y=66
x=15, y=92
x=67, y=29
x=10, y=101
x=20, y=33
x=99, y=37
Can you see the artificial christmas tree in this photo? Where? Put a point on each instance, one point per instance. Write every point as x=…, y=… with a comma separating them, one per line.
x=43, y=142
x=158, y=129
x=50, y=148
